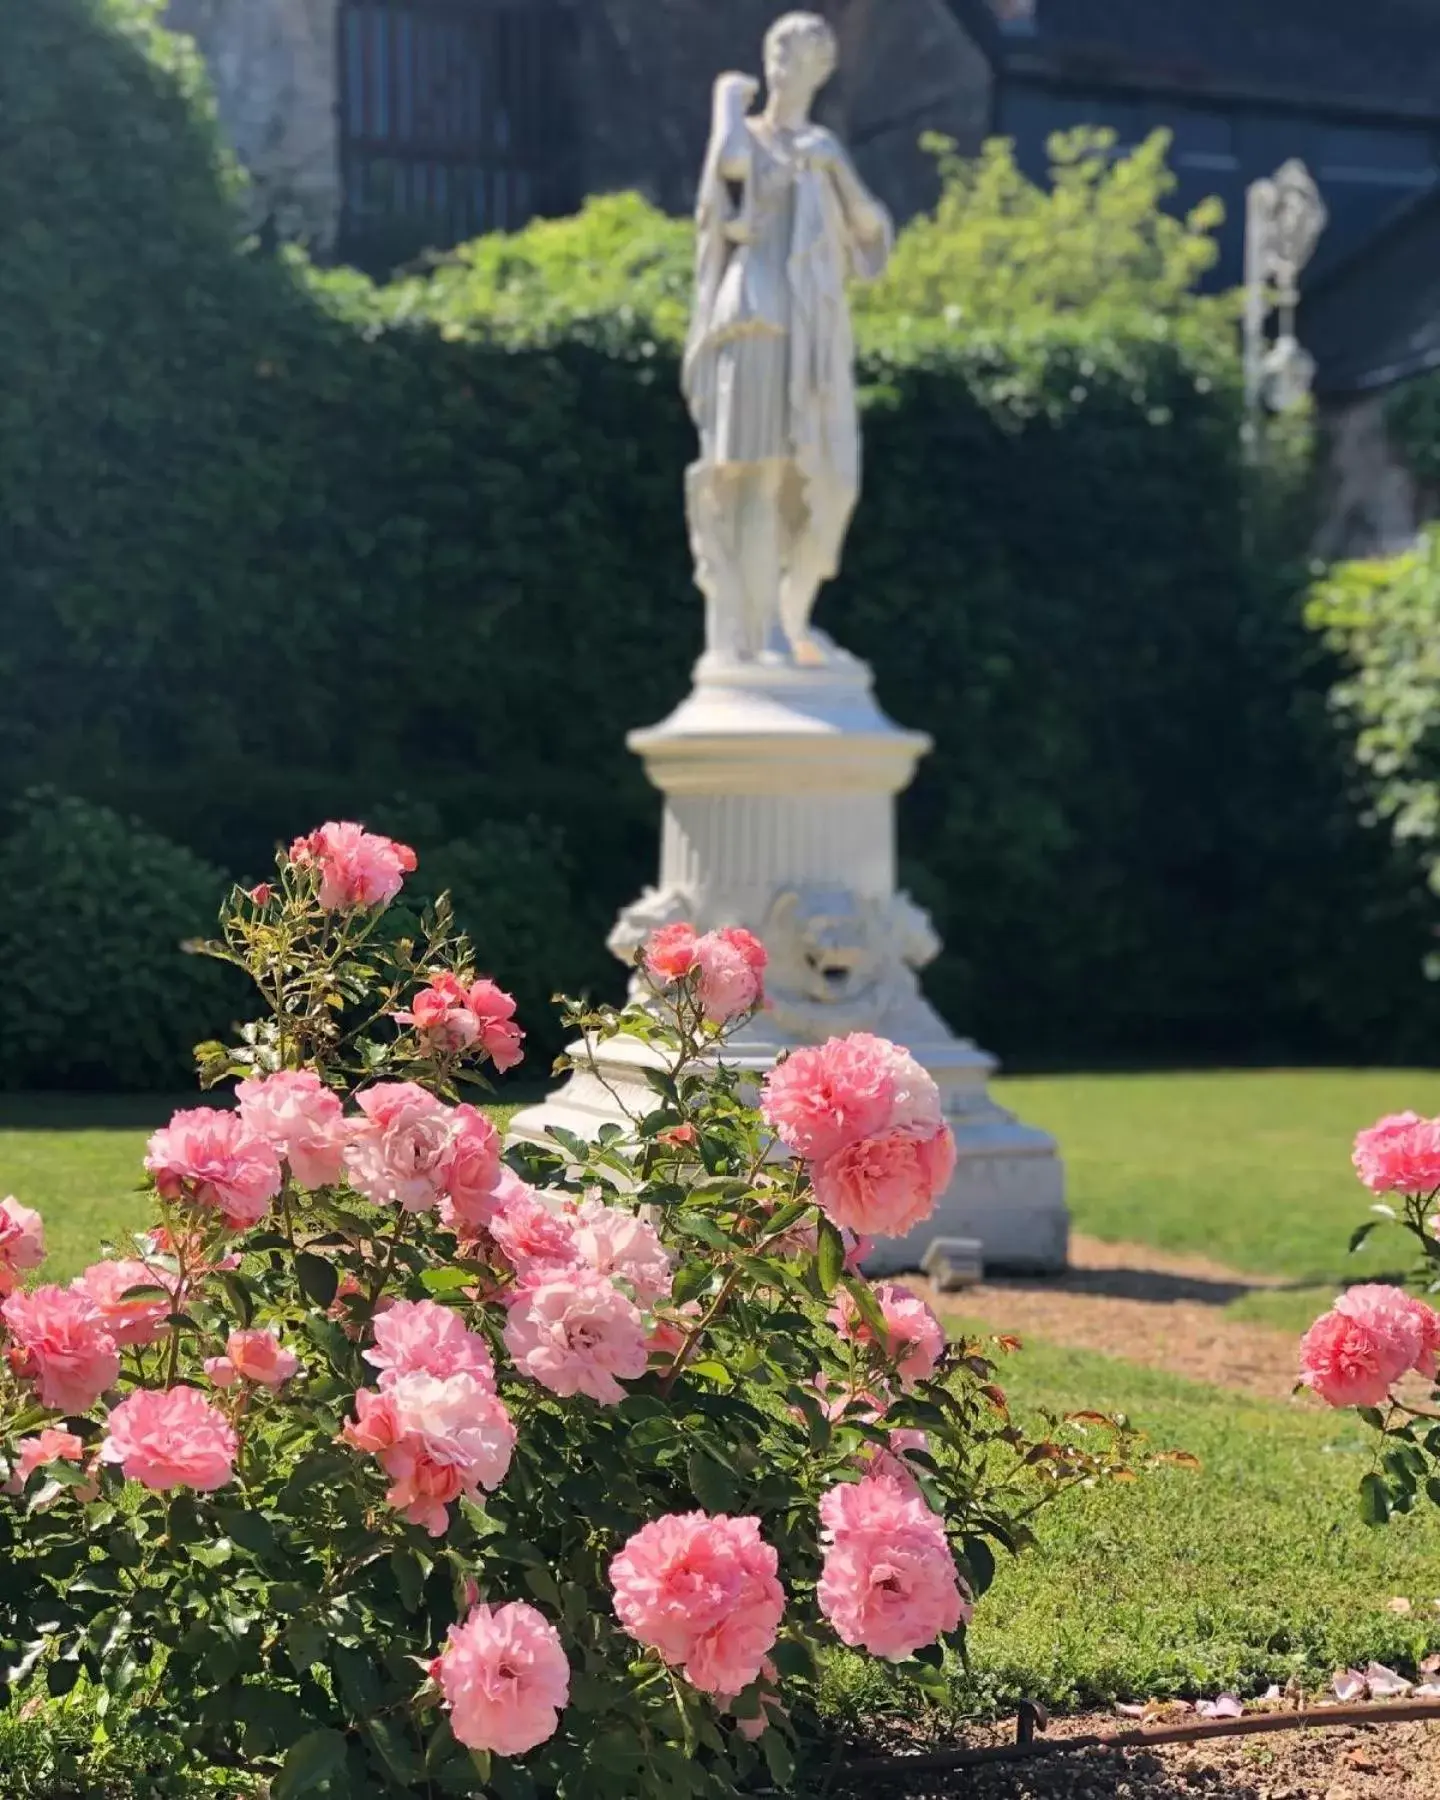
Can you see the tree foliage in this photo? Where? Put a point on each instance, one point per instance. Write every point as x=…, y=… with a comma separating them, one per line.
x=1000, y=251
x=1383, y=616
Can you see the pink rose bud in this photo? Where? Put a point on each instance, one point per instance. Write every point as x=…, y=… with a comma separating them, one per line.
x=257, y=1356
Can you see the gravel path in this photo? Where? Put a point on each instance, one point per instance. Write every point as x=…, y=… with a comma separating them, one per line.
x=1131, y=1301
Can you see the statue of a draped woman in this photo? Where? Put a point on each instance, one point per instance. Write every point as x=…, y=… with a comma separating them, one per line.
x=783, y=221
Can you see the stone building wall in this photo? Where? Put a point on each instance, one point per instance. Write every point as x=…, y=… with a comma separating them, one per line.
x=274, y=65
x=639, y=84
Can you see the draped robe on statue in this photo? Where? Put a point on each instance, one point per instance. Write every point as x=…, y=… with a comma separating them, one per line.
x=783, y=221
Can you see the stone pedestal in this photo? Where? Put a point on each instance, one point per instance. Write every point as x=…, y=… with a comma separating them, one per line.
x=780, y=787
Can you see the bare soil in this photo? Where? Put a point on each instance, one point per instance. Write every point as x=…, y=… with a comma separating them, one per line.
x=1390, y=1762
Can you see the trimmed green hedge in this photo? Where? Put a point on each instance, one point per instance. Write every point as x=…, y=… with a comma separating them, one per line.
x=282, y=546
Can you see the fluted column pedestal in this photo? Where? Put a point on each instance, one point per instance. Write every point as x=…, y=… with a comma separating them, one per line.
x=780, y=788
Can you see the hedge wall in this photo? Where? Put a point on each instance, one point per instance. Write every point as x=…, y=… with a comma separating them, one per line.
x=281, y=546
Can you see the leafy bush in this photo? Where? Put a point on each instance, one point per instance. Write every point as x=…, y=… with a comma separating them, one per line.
x=615, y=1390
x=93, y=913
x=1383, y=616
x=999, y=251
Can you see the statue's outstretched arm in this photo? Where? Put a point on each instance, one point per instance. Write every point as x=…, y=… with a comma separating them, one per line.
x=868, y=218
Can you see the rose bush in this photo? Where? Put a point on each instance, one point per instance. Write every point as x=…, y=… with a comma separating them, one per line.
x=1378, y=1347
x=384, y=1465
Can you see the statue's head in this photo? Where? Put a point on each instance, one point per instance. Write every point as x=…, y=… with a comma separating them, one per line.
x=800, y=55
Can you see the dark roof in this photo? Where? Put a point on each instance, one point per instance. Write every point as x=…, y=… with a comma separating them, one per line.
x=1374, y=319
x=1374, y=56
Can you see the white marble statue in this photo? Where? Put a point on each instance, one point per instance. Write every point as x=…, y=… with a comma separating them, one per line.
x=783, y=220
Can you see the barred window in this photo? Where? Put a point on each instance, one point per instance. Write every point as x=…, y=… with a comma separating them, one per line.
x=455, y=120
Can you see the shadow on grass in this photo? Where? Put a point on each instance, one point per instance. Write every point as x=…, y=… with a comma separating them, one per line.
x=1163, y=1288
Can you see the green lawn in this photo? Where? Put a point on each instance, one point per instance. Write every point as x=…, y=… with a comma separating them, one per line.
x=1251, y=1168
x=1253, y=1568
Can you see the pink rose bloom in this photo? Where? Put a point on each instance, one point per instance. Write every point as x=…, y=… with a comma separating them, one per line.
x=701, y=1590
x=1355, y=1353
x=261, y=894
x=494, y=1011
x=574, y=1332
x=505, y=1679
x=171, y=1438
x=396, y=1153
x=1390, y=1315
x=669, y=1332
x=914, y=1336
x=64, y=1345
x=732, y=967
x=670, y=953
x=22, y=1242
x=452, y=1017
x=885, y=1186
x=820, y=1101
x=374, y=1427
x=421, y=1337
x=772, y=1710
x=441, y=1016
x=1427, y=1323
x=1400, y=1154
x=301, y=1120
x=215, y=1160
x=436, y=1440
x=220, y=1372
x=889, y=1583
x=257, y=1356
x=52, y=1445
x=354, y=867
x=469, y=1171
x=529, y=1234
x=856, y=1250
x=892, y=1459
x=137, y=1320
x=624, y=1247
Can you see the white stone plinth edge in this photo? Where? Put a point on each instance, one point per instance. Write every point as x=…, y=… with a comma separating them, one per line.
x=779, y=788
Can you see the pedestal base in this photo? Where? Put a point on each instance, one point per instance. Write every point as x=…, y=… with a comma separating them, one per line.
x=1008, y=1190
x=779, y=787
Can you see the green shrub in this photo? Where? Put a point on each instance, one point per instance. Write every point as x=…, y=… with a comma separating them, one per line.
x=97, y=990
x=1383, y=616
x=242, y=494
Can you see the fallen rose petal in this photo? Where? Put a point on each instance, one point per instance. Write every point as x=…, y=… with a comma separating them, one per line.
x=1131, y=1712
x=1384, y=1683
x=1428, y=1690
x=1349, y=1684
x=1398, y=1605
x=1273, y=1692
x=1430, y=1666
x=1226, y=1707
